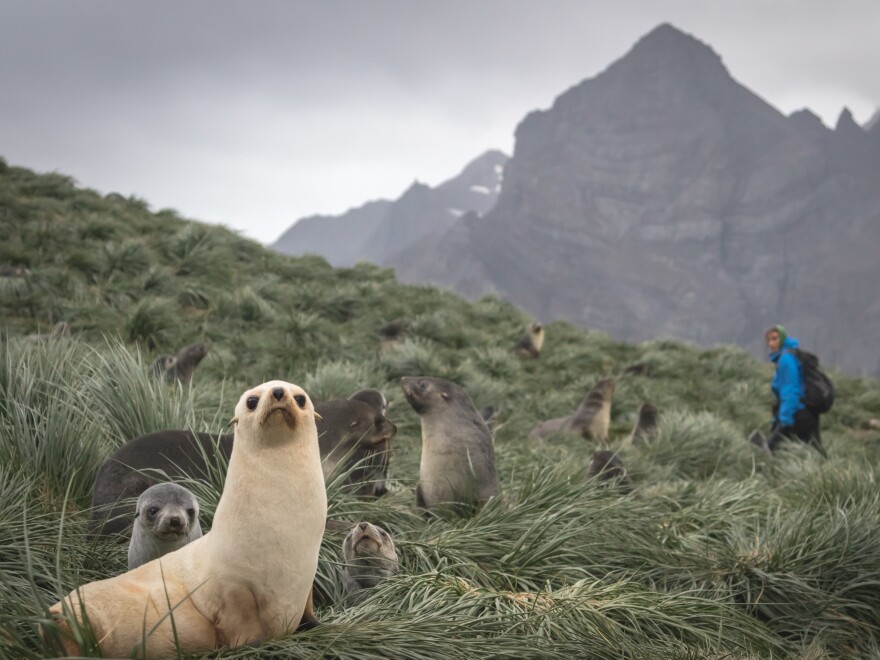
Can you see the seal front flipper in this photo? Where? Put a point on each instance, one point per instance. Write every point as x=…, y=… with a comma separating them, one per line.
x=308, y=620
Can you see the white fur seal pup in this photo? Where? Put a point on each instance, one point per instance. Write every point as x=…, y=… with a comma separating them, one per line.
x=166, y=518
x=457, y=467
x=250, y=578
x=530, y=344
x=369, y=556
x=591, y=420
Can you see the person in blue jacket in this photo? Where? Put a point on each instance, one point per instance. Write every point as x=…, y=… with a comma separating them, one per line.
x=792, y=420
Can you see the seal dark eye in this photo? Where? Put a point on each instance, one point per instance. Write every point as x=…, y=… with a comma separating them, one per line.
x=300, y=400
x=191, y=513
x=252, y=402
x=153, y=510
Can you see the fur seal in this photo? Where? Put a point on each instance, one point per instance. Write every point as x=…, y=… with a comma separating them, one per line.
x=166, y=518
x=11, y=270
x=369, y=556
x=393, y=331
x=372, y=397
x=607, y=466
x=354, y=438
x=591, y=420
x=760, y=440
x=160, y=366
x=530, y=344
x=490, y=416
x=250, y=578
x=457, y=467
x=638, y=369
x=646, y=426
x=180, y=367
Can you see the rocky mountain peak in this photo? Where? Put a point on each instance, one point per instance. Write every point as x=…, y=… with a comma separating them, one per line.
x=808, y=120
x=873, y=124
x=846, y=124
x=668, y=48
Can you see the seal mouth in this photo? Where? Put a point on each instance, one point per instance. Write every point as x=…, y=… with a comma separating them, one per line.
x=286, y=413
x=170, y=534
x=366, y=545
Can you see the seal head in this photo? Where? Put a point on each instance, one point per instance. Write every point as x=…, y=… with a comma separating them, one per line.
x=166, y=518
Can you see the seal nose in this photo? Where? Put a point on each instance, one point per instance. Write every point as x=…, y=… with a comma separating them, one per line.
x=363, y=525
x=278, y=393
x=174, y=522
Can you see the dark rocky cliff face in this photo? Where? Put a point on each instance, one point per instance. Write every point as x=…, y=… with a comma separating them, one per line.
x=377, y=231
x=664, y=198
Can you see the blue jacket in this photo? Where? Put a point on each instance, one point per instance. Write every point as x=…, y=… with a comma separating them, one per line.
x=788, y=382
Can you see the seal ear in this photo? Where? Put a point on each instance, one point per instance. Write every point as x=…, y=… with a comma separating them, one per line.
x=318, y=417
x=445, y=395
x=233, y=421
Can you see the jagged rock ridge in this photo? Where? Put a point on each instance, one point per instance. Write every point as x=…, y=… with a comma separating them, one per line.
x=380, y=230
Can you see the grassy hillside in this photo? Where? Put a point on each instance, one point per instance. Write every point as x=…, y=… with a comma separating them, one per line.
x=719, y=551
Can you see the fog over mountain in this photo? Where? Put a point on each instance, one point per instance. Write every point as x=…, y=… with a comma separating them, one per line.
x=662, y=197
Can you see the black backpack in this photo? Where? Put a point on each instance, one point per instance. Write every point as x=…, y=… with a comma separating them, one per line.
x=818, y=388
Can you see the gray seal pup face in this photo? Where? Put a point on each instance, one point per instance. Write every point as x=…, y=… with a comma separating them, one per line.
x=167, y=518
x=168, y=511
x=369, y=555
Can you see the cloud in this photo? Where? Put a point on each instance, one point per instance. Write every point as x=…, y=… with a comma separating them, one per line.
x=256, y=114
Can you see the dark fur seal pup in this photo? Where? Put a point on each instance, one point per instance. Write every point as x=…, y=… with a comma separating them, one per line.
x=394, y=331
x=372, y=397
x=457, y=468
x=530, y=344
x=160, y=366
x=186, y=362
x=369, y=556
x=139, y=463
x=166, y=518
x=638, y=369
x=490, y=416
x=355, y=438
x=646, y=426
x=247, y=581
x=591, y=420
x=8, y=270
x=607, y=466
x=353, y=433
x=760, y=440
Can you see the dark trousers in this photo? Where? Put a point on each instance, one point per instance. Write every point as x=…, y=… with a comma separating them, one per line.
x=804, y=429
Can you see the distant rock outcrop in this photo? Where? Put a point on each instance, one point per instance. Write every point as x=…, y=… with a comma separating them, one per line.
x=378, y=231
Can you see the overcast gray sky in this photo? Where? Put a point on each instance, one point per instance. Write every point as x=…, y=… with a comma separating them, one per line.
x=254, y=114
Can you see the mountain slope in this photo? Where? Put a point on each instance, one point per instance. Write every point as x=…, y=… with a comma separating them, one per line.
x=664, y=198
x=377, y=231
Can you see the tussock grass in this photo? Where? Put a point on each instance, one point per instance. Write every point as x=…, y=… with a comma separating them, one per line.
x=718, y=551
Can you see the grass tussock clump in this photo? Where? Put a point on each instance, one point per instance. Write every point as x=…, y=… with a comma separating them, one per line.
x=716, y=550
